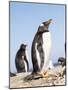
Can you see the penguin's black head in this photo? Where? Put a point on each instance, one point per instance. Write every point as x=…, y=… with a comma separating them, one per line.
x=23, y=46
x=44, y=26
x=47, y=23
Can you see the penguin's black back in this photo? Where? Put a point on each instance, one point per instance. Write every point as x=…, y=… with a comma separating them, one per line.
x=39, y=41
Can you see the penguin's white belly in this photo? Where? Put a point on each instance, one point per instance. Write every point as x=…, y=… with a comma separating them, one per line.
x=27, y=56
x=47, y=50
x=25, y=66
x=26, y=53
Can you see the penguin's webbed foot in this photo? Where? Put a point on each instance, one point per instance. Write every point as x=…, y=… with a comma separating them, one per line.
x=44, y=74
x=32, y=76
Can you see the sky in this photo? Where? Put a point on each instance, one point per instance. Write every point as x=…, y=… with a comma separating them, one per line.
x=24, y=21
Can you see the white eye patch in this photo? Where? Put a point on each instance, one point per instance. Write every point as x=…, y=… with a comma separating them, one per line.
x=42, y=24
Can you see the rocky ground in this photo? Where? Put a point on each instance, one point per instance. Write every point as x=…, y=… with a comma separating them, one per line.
x=53, y=78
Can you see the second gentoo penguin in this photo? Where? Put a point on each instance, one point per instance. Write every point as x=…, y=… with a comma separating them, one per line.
x=21, y=60
x=41, y=48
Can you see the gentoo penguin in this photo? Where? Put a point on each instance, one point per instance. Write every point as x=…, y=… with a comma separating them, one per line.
x=21, y=61
x=62, y=62
x=41, y=48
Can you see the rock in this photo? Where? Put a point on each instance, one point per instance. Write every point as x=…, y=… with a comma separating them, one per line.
x=53, y=79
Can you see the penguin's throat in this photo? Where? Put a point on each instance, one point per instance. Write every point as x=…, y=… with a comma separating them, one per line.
x=42, y=31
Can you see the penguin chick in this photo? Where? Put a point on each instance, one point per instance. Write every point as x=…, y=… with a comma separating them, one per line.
x=21, y=61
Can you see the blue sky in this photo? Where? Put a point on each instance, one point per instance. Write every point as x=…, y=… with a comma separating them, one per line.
x=24, y=21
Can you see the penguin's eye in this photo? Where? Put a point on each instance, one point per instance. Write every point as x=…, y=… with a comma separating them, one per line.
x=41, y=24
